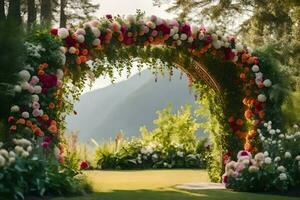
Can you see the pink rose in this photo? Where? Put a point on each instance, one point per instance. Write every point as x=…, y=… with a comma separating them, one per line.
x=36, y=112
x=35, y=105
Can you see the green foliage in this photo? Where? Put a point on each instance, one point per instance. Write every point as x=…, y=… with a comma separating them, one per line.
x=172, y=144
x=12, y=60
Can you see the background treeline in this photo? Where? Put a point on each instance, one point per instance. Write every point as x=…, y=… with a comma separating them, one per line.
x=46, y=11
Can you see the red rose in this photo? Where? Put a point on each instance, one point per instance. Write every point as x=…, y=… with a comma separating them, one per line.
x=54, y=31
x=84, y=165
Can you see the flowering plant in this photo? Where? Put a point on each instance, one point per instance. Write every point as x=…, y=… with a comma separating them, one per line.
x=278, y=168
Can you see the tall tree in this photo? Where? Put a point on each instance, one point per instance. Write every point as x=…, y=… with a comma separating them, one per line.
x=79, y=10
x=14, y=11
x=2, y=11
x=46, y=11
x=63, y=16
x=31, y=12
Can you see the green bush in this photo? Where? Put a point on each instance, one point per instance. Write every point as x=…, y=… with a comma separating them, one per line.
x=172, y=144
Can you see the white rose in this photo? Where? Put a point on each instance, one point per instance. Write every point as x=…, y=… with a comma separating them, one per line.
x=63, y=50
x=35, y=98
x=261, y=98
x=176, y=37
x=96, y=42
x=25, y=154
x=4, y=153
x=277, y=159
x=190, y=39
x=268, y=160
x=80, y=38
x=19, y=149
x=96, y=32
x=15, y=109
x=267, y=83
x=295, y=126
x=2, y=161
x=266, y=154
x=298, y=158
x=18, y=88
x=29, y=148
x=25, y=115
x=63, y=33
x=283, y=176
x=216, y=44
x=255, y=68
x=59, y=74
x=72, y=50
x=37, y=89
x=12, y=154
x=281, y=168
x=272, y=131
x=25, y=85
x=179, y=42
x=287, y=155
x=253, y=169
x=11, y=160
x=183, y=36
x=80, y=31
x=24, y=75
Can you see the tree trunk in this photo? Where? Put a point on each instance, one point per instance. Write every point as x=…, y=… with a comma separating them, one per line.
x=2, y=11
x=14, y=11
x=46, y=12
x=31, y=9
x=63, y=17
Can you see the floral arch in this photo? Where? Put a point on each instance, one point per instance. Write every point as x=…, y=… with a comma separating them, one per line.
x=57, y=67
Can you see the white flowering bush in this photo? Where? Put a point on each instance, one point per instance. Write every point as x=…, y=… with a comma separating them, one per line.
x=277, y=168
x=141, y=154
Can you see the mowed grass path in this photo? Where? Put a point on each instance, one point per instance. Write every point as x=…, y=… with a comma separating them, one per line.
x=158, y=185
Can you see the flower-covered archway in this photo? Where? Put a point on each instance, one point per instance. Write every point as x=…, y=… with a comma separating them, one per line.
x=57, y=67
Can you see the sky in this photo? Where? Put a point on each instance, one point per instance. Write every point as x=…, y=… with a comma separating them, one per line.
x=125, y=7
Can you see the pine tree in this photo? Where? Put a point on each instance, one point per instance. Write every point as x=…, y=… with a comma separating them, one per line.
x=31, y=12
x=14, y=11
x=2, y=11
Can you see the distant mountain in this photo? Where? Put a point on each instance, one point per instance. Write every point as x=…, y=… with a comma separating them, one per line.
x=127, y=105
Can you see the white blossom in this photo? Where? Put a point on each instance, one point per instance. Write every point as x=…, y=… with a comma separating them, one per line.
x=63, y=33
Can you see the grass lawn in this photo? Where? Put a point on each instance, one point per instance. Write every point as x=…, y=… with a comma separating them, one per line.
x=158, y=185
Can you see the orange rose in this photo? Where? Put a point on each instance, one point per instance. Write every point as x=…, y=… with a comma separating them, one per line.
x=85, y=52
x=129, y=34
x=239, y=122
x=83, y=59
x=41, y=72
x=52, y=129
x=78, y=60
x=248, y=114
x=51, y=105
x=38, y=132
x=29, y=123
x=45, y=117
x=53, y=122
x=21, y=121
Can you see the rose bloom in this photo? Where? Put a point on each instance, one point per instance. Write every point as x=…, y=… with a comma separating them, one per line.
x=84, y=165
